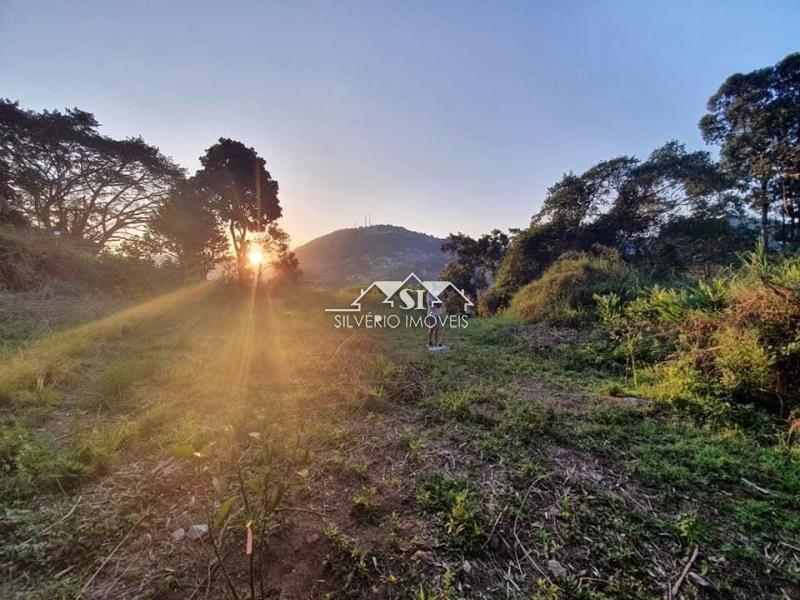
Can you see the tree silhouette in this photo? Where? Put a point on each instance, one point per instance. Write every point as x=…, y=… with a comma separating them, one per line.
x=242, y=193
x=62, y=175
x=475, y=261
x=184, y=229
x=621, y=203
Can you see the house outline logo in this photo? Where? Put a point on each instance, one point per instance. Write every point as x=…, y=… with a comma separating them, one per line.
x=390, y=288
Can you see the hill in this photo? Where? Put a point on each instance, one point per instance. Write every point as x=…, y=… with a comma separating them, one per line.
x=363, y=254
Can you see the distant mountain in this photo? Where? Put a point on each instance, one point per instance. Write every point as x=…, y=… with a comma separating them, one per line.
x=365, y=254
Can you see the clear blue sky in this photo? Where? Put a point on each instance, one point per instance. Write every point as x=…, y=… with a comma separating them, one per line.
x=437, y=116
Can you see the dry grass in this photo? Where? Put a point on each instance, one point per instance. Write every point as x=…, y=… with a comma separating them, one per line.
x=481, y=472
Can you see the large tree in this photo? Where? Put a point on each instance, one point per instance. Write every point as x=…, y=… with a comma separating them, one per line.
x=62, y=175
x=243, y=193
x=185, y=230
x=755, y=118
x=622, y=203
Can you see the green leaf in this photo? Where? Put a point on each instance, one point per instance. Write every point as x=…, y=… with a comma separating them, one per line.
x=183, y=451
x=275, y=496
x=224, y=511
x=256, y=483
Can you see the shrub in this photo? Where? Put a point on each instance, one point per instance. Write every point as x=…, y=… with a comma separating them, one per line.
x=531, y=251
x=734, y=338
x=455, y=504
x=492, y=301
x=564, y=294
x=742, y=361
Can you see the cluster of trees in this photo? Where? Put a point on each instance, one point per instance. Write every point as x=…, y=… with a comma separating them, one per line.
x=475, y=261
x=58, y=173
x=676, y=211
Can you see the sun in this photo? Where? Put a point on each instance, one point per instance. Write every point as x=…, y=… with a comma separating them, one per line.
x=255, y=256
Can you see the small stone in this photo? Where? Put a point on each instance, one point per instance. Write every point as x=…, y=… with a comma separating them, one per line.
x=313, y=538
x=178, y=534
x=425, y=556
x=556, y=568
x=197, y=532
x=467, y=567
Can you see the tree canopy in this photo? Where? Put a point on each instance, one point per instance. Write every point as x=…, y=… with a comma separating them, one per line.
x=755, y=119
x=242, y=192
x=475, y=261
x=63, y=176
x=184, y=230
x=623, y=203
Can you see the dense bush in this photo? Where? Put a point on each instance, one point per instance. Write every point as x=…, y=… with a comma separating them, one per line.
x=564, y=294
x=735, y=338
x=529, y=254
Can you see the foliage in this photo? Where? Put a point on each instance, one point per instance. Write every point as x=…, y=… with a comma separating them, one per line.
x=563, y=295
x=242, y=192
x=695, y=245
x=33, y=260
x=755, y=118
x=183, y=229
x=456, y=505
x=734, y=338
x=475, y=261
x=62, y=175
x=274, y=242
x=622, y=203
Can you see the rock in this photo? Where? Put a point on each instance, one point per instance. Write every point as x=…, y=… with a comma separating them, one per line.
x=556, y=568
x=197, y=532
x=178, y=534
x=467, y=567
x=425, y=556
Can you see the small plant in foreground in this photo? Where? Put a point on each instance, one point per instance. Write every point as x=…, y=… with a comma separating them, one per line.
x=455, y=504
x=364, y=507
x=412, y=443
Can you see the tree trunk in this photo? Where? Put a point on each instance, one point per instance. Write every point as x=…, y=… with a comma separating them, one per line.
x=241, y=257
x=241, y=266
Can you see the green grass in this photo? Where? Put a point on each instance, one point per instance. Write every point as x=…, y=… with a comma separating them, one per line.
x=723, y=487
x=455, y=504
x=469, y=455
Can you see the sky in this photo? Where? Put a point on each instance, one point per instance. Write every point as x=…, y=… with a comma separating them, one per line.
x=437, y=116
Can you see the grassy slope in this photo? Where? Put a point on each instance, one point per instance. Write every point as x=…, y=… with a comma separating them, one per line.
x=489, y=470
x=47, y=284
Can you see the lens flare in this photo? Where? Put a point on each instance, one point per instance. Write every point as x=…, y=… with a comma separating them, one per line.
x=255, y=256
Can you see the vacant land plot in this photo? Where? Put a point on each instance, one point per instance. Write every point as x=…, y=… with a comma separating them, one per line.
x=217, y=443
